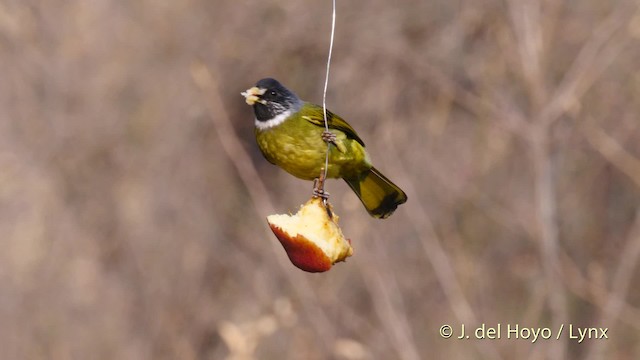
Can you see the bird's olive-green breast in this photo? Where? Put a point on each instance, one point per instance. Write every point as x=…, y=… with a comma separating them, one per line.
x=296, y=145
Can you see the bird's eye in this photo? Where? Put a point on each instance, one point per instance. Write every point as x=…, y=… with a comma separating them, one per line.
x=272, y=93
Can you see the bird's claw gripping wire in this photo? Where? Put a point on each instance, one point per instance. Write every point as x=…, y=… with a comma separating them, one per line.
x=329, y=137
x=320, y=192
x=318, y=188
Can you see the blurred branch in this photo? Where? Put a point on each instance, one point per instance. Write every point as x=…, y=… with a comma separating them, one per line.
x=526, y=21
x=506, y=115
x=238, y=156
x=534, y=314
x=594, y=292
x=387, y=298
x=502, y=215
x=594, y=57
x=615, y=303
x=444, y=270
x=612, y=151
x=546, y=213
x=621, y=282
x=436, y=255
x=258, y=193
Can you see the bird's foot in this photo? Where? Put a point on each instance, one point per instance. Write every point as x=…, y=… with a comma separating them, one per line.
x=329, y=137
x=318, y=189
x=320, y=192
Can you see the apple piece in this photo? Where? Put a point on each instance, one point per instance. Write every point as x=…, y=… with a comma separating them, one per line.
x=312, y=239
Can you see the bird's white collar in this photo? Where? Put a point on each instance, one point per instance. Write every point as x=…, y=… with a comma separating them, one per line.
x=277, y=120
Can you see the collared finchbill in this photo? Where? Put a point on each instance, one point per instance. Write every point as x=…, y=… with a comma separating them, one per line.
x=289, y=134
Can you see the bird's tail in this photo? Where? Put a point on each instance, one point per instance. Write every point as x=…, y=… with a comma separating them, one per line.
x=378, y=194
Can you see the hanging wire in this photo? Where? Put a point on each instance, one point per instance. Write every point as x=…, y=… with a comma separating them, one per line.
x=324, y=94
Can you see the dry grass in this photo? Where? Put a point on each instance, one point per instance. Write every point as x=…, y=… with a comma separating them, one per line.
x=133, y=197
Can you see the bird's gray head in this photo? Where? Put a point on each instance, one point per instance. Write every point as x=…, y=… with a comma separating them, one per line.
x=271, y=100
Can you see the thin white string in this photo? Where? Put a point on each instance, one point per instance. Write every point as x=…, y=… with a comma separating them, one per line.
x=326, y=85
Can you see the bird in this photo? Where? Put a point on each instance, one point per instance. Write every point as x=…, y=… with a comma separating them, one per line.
x=291, y=134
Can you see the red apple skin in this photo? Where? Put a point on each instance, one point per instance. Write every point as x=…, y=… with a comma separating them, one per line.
x=303, y=253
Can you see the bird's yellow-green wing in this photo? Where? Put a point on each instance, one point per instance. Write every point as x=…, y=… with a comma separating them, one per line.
x=314, y=114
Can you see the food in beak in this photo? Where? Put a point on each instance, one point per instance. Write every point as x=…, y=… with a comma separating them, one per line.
x=253, y=94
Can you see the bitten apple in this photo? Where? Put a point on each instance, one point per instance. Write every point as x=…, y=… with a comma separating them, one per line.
x=312, y=239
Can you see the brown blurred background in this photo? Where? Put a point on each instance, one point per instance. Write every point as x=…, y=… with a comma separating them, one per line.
x=133, y=197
